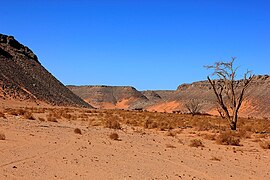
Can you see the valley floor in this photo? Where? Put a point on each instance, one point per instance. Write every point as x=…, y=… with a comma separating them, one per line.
x=35, y=149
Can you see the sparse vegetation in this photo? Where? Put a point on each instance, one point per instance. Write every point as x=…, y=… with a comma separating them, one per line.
x=28, y=115
x=114, y=136
x=2, y=136
x=229, y=138
x=112, y=123
x=41, y=119
x=196, y=143
x=193, y=106
x=77, y=131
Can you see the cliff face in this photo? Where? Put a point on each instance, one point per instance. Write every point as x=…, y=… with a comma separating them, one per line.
x=22, y=77
x=108, y=97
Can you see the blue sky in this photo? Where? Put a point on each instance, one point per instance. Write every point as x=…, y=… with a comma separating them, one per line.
x=146, y=44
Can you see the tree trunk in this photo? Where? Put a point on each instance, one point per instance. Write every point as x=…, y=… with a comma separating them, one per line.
x=234, y=122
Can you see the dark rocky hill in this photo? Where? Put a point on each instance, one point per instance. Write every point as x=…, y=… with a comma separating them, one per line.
x=22, y=77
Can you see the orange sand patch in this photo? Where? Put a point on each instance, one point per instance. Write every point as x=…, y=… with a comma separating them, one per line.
x=125, y=103
x=247, y=108
x=165, y=107
x=13, y=103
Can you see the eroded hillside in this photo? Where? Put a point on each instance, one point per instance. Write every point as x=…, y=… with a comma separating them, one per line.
x=22, y=77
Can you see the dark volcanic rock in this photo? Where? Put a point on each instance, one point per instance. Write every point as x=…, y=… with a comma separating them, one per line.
x=23, y=77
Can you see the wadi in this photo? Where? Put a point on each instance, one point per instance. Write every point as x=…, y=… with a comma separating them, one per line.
x=52, y=131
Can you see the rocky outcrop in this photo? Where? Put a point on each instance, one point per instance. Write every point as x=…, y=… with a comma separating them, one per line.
x=22, y=77
x=124, y=97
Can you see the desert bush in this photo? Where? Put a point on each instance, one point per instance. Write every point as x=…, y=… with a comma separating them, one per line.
x=203, y=124
x=112, y=123
x=163, y=126
x=196, y=143
x=150, y=124
x=2, y=136
x=77, y=131
x=265, y=144
x=114, y=136
x=228, y=138
x=28, y=115
x=41, y=119
x=21, y=112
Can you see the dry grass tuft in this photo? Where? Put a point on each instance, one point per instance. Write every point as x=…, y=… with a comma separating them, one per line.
x=77, y=131
x=2, y=136
x=114, y=136
x=196, y=143
x=112, y=123
x=265, y=144
x=150, y=124
x=229, y=138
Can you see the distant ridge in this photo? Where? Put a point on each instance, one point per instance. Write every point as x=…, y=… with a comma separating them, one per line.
x=22, y=77
x=256, y=103
x=110, y=97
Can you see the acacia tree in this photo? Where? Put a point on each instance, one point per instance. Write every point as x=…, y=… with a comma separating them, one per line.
x=193, y=107
x=228, y=91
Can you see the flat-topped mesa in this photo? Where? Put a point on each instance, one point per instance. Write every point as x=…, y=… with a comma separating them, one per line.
x=110, y=96
x=11, y=46
x=258, y=79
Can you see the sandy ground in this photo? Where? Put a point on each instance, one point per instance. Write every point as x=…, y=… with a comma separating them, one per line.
x=36, y=149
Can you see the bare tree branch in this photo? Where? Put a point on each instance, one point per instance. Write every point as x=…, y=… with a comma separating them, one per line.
x=226, y=87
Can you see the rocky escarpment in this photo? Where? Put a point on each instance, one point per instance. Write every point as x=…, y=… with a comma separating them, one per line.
x=256, y=103
x=22, y=77
x=125, y=97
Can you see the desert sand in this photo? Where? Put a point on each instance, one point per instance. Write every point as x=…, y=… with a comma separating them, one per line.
x=38, y=149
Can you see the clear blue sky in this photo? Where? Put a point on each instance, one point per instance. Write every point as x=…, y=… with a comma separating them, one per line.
x=146, y=44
